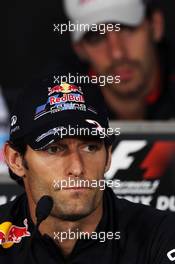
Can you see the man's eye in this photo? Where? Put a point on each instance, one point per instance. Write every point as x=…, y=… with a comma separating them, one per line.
x=91, y=148
x=93, y=38
x=53, y=149
x=125, y=28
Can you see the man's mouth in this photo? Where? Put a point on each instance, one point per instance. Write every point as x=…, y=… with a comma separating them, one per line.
x=125, y=74
x=75, y=189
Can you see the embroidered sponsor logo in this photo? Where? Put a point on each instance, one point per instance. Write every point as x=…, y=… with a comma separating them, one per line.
x=14, y=120
x=97, y=125
x=62, y=97
x=16, y=128
x=67, y=106
x=64, y=88
x=53, y=131
x=67, y=97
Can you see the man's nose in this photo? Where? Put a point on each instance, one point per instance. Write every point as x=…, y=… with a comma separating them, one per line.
x=116, y=45
x=74, y=164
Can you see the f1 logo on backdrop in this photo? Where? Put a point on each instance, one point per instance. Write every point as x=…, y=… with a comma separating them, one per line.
x=154, y=163
x=121, y=156
x=145, y=172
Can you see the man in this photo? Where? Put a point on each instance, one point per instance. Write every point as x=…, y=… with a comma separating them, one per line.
x=127, y=49
x=60, y=134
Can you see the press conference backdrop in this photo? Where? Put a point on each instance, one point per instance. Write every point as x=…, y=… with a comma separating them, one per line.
x=143, y=160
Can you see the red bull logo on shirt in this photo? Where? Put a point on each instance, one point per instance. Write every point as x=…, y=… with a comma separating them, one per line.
x=11, y=234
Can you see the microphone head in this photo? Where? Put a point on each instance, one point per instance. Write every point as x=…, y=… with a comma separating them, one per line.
x=43, y=208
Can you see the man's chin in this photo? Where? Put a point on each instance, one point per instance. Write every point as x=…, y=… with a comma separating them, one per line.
x=73, y=217
x=74, y=211
x=72, y=206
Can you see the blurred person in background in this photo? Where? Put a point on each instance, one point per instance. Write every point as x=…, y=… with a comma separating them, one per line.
x=131, y=53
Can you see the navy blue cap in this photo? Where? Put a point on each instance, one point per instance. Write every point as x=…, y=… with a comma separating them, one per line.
x=45, y=112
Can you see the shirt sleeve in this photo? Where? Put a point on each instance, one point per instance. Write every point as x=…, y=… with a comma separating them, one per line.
x=163, y=247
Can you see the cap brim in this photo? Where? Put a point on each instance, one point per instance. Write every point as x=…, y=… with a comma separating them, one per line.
x=131, y=15
x=48, y=134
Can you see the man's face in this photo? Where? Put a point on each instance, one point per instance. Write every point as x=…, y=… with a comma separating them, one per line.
x=129, y=53
x=74, y=158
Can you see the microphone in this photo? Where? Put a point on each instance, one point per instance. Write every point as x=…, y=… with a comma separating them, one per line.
x=43, y=209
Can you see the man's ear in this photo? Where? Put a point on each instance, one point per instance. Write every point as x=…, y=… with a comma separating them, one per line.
x=158, y=25
x=109, y=157
x=13, y=160
x=79, y=50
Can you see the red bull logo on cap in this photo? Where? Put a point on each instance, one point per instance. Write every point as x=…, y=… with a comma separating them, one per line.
x=11, y=234
x=67, y=97
x=62, y=97
x=63, y=88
